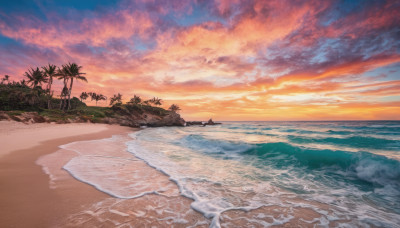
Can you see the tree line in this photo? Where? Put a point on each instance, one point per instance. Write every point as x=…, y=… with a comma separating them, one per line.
x=46, y=75
x=116, y=100
x=31, y=88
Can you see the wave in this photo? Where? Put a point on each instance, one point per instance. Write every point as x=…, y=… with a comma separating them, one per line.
x=340, y=132
x=213, y=146
x=353, y=141
x=375, y=169
x=197, y=162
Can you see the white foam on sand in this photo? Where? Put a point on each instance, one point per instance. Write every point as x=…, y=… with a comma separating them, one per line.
x=106, y=165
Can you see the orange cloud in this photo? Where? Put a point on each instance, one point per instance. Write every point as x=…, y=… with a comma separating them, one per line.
x=250, y=60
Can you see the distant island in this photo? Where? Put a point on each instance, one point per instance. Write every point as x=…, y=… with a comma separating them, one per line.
x=31, y=100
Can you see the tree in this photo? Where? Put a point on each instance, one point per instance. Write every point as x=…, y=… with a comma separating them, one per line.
x=97, y=97
x=84, y=96
x=49, y=71
x=35, y=77
x=6, y=78
x=174, y=108
x=117, y=99
x=30, y=96
x=135, y=100
x=155, y=100
x=23, y=82
x=74, y=73
x=62, y=73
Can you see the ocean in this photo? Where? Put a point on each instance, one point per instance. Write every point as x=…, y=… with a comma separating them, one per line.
x=256, y=174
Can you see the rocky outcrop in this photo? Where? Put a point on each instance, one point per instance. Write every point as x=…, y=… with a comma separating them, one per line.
x=191, y=123
x=4, y=116
x=146, y=119
x=25, y=117
x=209, y=122
x=121, y=117
x=172, y=119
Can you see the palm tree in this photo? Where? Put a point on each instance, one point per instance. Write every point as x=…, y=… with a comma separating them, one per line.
x=174, y=108
x=6, y=78
x=135, y=100
x=156, y=101
x=35, y=77
x=50, y=72
x=97, y=97
x=64, y=75
x=84, y=96
x=22, y=82
x=117, y=99
x=74, y=73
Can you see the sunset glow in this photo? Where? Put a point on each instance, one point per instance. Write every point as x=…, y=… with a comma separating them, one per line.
x=225, y=59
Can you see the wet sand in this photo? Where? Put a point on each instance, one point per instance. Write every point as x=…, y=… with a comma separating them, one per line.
x=26, y=199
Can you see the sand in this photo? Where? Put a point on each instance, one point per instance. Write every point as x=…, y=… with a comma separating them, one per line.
x=29, y=197
x=26, y=199
x=18, y=136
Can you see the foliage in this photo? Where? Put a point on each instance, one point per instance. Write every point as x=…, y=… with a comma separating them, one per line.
x=36, y=77
x=5, y=79
x=69, y=72
x=97, y=97
x=174, y=108
x=135, y=100
x=18, y=96
x=116, y=99
x=155, y=100
x=49, y=72
x=154, y=110
x=84, y=96
x=29, y=95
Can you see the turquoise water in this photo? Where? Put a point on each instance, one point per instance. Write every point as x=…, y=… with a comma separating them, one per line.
x=353, y=167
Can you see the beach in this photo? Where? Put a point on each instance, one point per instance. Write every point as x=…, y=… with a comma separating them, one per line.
x=258, y=174
x=26, y=199
x=37, y=191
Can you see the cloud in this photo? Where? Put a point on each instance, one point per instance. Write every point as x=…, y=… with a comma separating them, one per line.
x=94, y=31
x=229, y=59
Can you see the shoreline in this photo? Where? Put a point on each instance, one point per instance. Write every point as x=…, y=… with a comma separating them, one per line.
x=92, y=179
x=25, y=194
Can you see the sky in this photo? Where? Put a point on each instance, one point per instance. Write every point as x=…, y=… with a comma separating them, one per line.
x=222, y=59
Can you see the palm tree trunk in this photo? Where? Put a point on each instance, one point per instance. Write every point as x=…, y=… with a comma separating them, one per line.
x=69, y=93
x=49, y=106
x=61, y=101
x=63, y=96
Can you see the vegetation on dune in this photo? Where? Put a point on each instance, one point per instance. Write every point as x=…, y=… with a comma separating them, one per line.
x=34, y=94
